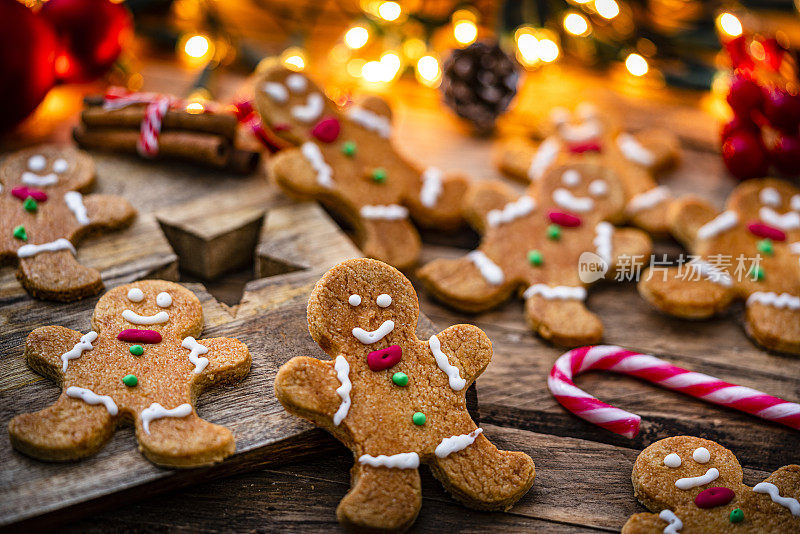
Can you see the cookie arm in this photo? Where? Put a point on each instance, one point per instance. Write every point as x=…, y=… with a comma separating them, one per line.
x=228, y=360
x=627, y=245
x=563, y=321
x=44, y=348
x=307, y=387
x=107, y=212
x=644, y=523
x=468, y=348
x=437, y=198
x=682, y=294
x=686, y=215
x=294, y=173
x=774, y=326
x=392, y=241
x=482, y=198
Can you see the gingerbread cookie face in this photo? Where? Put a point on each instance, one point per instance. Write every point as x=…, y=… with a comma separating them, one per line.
x=536, y=244
x=749, y=252
x=141, y=363
x=395, y=400
x=586, y=134
x=695, y=485
x=43, y=215
x=345, y=159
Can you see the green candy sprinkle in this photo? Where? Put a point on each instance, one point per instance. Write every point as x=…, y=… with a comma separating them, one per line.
x=349, y=149
x=535, y=257
x=554, y=232
x=400, y=379
x=130, y=380
x=30, y=204
x=419, y=418
x=765, y=246
x=379, y=175
x=757, y=273
x=20, y=233
x=737, y=515
x=136, y=350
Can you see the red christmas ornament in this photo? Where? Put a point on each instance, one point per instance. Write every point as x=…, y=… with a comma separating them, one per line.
x=744, y=155
x=786, y=155
x=736, y=124
x=27, y=52
x=782, y=110
x=91, y=35
x=745, y=96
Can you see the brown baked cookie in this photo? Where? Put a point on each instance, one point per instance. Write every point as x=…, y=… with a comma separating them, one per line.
x=695, y=485
x=43, y=216
x=588, y=135
x=762, y=220
x=345, y=159
x=397, y=401
x=534, y=245
x=140, y=363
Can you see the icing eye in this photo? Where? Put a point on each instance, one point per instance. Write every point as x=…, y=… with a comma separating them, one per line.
x=296, y=83
x=598, y=188
x=796, y=203
x=276, y=92
x=60, y=165
x=135, y=295
x=571, y=177
x=37, y=163
x=672, y=460
x=383, y=300
x=354, y=300
x=164, y=299
x=769, y=196
x=701, y=455
x=559, y=116
x=586, y=111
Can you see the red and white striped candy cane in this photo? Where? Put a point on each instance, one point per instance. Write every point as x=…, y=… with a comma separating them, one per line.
x=661, y=373
x=150, y=129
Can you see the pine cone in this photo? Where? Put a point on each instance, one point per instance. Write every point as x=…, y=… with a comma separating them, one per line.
x=478, y=83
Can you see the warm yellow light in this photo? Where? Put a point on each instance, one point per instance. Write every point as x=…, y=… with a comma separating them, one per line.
x=528, y=47
x=414, y=48
x=636, y=65
x=608, y=9
x=390, y=66
x=576, y=24
x=354, y=67
x=465, y=32
x=729, y=24
x=548, y=50
x=372, y=71
x=294, y=58
x=428, y=69
x=389, y=11
x=356, y=37
x=195, y=108
x=196, y=46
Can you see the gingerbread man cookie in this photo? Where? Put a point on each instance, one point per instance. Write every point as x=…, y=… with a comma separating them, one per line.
x=141, y=363
x=397, y=401
x=695, y=485
x=43, y=215
x=535, y=244
x=345, y=159
x=749, y=252
x=587, y=135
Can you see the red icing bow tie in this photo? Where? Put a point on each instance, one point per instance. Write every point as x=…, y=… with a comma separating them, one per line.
x=713, y=497
x=22, y=192
x=589, y=146
x=139, y=336
x=562, y=218
x=378, y=360
x=766, y=231
x=326, y=130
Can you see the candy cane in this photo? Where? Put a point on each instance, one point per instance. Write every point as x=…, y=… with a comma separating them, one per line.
x=657, y=371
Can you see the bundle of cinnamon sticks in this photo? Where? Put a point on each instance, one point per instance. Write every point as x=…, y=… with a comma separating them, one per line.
x=207, y=138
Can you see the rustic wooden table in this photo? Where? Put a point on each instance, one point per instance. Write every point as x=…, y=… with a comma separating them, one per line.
x=583, y=472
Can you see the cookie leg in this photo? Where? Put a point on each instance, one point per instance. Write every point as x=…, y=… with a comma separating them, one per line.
x=58, y=276
x=681, y=295
x=69, y=429
x=774, y=328
x=187, y=441
x=395, y=242
x=564, y=322
x=483, y=477
x=461, y=284
x=381, y=498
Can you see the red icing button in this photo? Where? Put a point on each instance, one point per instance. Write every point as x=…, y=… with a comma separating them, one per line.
x=326, y=130
x=764, y=230
x=713, y=497
x=22, y=192
x=139, y=336
x=378, y=360
x=564, y=219
x=591, y=146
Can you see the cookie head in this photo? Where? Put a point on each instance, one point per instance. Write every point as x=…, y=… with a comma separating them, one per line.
x=584, y=190
x=769, y=202
x=152, y=306
x=582, y=127
x=686, y=472
x=362, y=304
x=294, y=107
x=48, y=168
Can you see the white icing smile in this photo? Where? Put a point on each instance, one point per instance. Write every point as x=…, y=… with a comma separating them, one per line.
x=31, y=178
x=313, y=108
x=369, y=337
x=692, y=482
x=580, y=133
x=135, y=318
x=570, y=202
x=788, y=221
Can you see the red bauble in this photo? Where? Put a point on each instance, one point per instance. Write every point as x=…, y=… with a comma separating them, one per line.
x=27, y=51
x=738, y=123
x=745, y=155
x=782, y=110
x=786, y=155
x=745, y=95
x=91, y=34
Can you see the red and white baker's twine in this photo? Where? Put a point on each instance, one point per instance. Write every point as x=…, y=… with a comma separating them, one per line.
x=150, y=129
x=661, y=373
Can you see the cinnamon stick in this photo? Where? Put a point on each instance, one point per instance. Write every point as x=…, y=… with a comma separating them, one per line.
x=223, y=124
